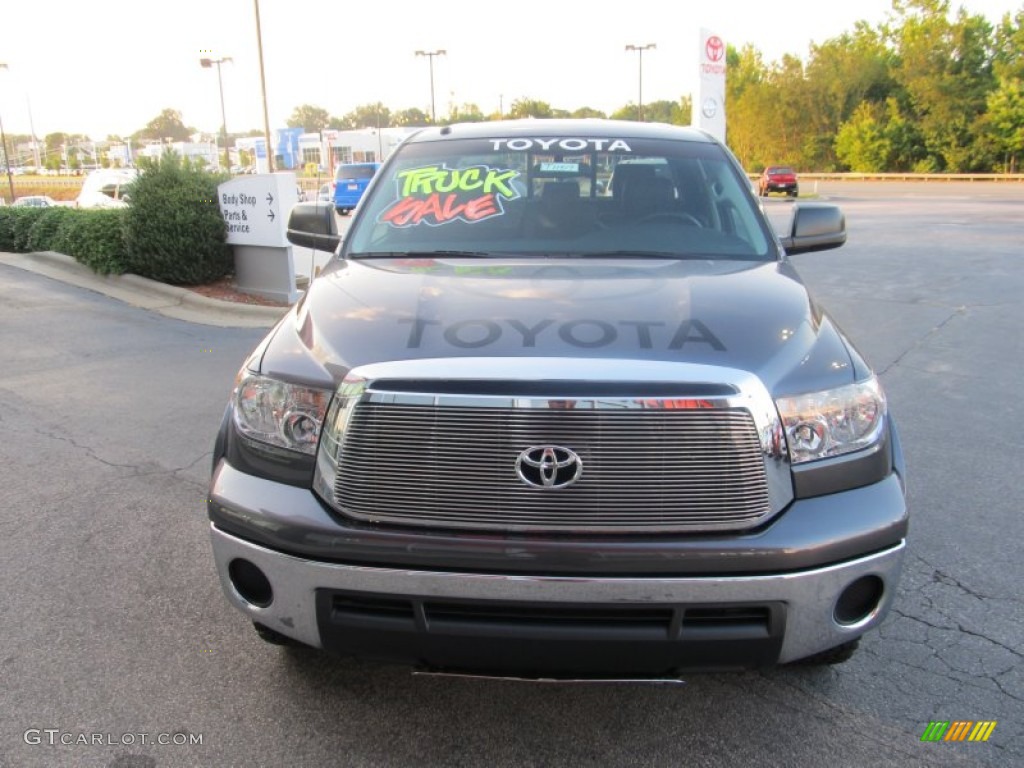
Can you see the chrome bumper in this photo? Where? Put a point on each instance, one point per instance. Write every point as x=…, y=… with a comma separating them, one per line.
x=809, y=595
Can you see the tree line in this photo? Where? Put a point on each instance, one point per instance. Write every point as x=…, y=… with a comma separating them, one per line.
x=928, y=90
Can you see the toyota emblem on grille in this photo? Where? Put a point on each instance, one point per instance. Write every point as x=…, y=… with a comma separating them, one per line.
x=549, y=466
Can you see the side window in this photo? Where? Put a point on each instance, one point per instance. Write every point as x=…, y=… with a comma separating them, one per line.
x=734, y=215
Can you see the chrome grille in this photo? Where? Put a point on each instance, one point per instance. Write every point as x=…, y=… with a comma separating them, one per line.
x=450, y=466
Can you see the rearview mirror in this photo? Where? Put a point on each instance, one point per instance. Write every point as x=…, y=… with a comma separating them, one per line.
x=816, y=227
x=312, y=225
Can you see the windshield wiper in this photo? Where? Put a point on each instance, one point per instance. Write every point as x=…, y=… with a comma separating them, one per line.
x=639, y=255
x=418, y=254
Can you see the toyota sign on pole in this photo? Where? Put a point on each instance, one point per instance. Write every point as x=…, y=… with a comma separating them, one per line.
x=709, y=106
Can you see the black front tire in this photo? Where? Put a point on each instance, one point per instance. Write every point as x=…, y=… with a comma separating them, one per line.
x=836, y=655
x=272, y=636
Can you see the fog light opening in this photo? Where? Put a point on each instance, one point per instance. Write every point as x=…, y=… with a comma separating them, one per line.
x=251, y=583
x=859, y=601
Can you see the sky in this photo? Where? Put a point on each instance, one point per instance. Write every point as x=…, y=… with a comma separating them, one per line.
x=103, y=67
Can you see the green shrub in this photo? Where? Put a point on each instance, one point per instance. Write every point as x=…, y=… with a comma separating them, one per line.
x=15, y=224
x=25, y=219
x=94, y=238
x=63, y=239
x=43, y=231
x=7, y=215
x=174, y=231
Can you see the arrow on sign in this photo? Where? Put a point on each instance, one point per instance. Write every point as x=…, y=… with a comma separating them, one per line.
x=270, y=215
x=270, y=199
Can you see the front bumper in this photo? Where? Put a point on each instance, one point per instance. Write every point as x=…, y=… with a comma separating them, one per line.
x=827, y=528
x=379, y=612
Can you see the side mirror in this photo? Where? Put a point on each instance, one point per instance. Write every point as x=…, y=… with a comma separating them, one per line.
x=312, y=225
x=816, y=227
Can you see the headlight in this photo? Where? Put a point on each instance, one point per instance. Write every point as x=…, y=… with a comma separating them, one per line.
x=278, y=413
x=833, y=422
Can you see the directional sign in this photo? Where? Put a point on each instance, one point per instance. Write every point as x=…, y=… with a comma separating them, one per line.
x=256, y=207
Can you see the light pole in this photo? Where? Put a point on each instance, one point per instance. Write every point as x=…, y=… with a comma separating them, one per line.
x=430, y=55
x=35, y=142
x=7, y=156
x=640, y=52
x=263, y=88
x=207, y=63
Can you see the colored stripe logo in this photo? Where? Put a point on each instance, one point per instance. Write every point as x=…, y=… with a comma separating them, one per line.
x=958, y=730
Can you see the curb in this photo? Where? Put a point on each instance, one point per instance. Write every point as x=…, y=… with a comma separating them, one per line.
x=168, y=300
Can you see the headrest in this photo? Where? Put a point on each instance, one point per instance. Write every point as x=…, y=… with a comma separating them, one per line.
x=629, y=174
x=643, y=197
x=561, y=190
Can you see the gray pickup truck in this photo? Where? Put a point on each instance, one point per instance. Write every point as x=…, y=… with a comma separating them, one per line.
x=560, y=407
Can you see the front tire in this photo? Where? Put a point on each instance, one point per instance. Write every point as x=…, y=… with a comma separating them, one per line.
x=272, y=636
x=837, y=655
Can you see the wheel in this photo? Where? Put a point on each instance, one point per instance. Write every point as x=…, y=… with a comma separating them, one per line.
x=836, y=655
x=795, y=192
x=268, y=635
x=677, y=217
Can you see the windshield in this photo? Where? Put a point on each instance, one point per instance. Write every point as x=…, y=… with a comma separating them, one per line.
x=561, y=197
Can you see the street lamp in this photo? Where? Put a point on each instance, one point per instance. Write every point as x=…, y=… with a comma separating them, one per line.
x=263, y=88
x=430, y=55
x=7, y=156
x=640, y=52
x=207, y=63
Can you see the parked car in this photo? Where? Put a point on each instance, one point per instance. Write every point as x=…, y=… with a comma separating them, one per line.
x=350, y=182
x=34, y=201
x=326, y=193
x=520, y=427
x=777, y=178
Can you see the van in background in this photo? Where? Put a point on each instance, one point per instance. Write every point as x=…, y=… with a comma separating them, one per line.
x=105, y=188
x=350, y=182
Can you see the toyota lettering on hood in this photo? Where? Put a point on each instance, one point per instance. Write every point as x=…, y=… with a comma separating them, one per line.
x=702, y=312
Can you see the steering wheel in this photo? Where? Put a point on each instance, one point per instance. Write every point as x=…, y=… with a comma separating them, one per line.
x=677, y=217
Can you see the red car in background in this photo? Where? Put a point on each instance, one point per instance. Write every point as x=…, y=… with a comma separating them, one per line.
x=778, y=178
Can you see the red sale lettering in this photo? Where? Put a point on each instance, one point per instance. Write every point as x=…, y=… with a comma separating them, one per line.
x=436, y=209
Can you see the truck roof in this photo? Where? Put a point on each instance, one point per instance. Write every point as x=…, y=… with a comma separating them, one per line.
x=590, y=127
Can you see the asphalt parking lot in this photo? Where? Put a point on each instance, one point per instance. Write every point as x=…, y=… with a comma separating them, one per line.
x=114, y=628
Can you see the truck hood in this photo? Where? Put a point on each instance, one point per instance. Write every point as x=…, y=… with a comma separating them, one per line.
x=756, y=317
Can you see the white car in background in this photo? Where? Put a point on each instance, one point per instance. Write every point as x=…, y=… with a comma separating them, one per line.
x=105, y=188
x=34, y=201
